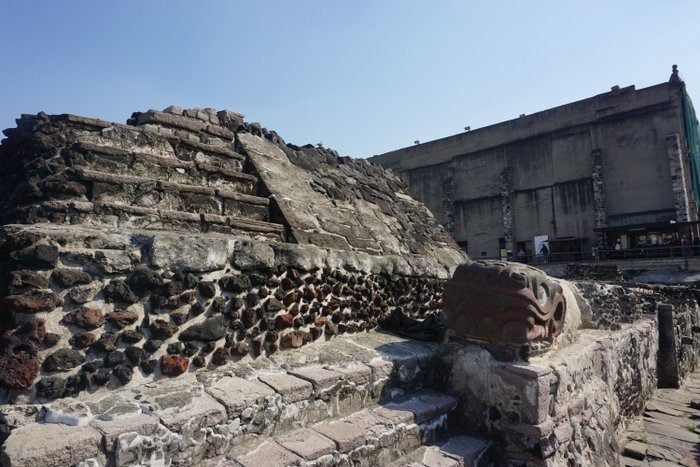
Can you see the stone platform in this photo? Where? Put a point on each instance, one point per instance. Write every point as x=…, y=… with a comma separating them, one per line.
x=371, y=397
x=667, y=433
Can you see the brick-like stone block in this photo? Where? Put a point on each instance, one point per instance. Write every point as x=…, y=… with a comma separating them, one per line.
x=291, y=388
x=236, y=394
x=425, y=406
x=49, y=445
x=142, y=424
x=269, y=453
x=320, y=378
x=204, y=410
x=307, y=443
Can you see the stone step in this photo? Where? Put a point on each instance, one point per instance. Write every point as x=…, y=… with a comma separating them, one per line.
x=324, y=390
x=150, y=193
x=195, y=125
x=458, y=451
x=369, y=437
x=140, y=218
x=212, y=170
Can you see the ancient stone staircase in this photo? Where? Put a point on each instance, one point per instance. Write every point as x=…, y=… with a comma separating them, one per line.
x=366, y=399
x=162, y=171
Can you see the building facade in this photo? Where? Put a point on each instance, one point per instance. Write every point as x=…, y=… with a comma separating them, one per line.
x=622, y=165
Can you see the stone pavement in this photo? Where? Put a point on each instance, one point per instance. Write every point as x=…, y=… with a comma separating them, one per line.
x=667, y=433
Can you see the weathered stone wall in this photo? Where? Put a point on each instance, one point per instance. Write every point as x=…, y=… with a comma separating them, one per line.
x=205, y=171
x=674, y=308
x=189, y=238
x=75, y=170
x=564, y=407
x=87, y=308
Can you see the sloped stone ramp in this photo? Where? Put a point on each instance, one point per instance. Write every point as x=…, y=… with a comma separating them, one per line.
x=667, y=433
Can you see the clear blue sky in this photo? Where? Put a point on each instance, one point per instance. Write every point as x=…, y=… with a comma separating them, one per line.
x=363, y=76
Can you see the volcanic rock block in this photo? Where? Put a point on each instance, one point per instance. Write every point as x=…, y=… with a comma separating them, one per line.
x=123, y=373
x=209, y=330
x=70, y=277
x=207, y=289
x=39, y=256
x=34, y=331
x=82, y=340
x=25, y=279
x=32, y=301
x=63, y=359
x=171, y=365
x=119, y=291
x=120, y=319
x=143, y=280
x=504, y=303
x=86, y=318
x=51, y=387
x=161, y=329
x=284, y=321
x=235, y=284
x=18, y=364
x=220, y=356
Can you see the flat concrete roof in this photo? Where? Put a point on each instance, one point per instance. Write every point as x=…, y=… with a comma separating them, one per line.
x=602, y=107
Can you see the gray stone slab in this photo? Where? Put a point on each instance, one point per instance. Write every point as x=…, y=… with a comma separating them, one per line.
x=381, y=368
x=629, y=462
x=353, y=431
x=321, y=379
x=636, y=450
x=681, y=447
x=345, y=435
x=203, y=411
x=670, y=431
x=307, y=443
x=653, y=406
x=49, y=445
x=394, y=415
x=662, y=453
x=356, y=372
x=673, y=405
x=236, y=394
x=434, y=457
x=142, y=424
x=291, y=388
x=466, y=448
x=269, y=454
x=425, y=406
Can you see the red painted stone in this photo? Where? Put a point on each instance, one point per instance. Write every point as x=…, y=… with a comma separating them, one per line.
x=173, y=365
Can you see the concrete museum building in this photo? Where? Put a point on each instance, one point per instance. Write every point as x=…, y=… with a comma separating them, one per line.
x=623, y=165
